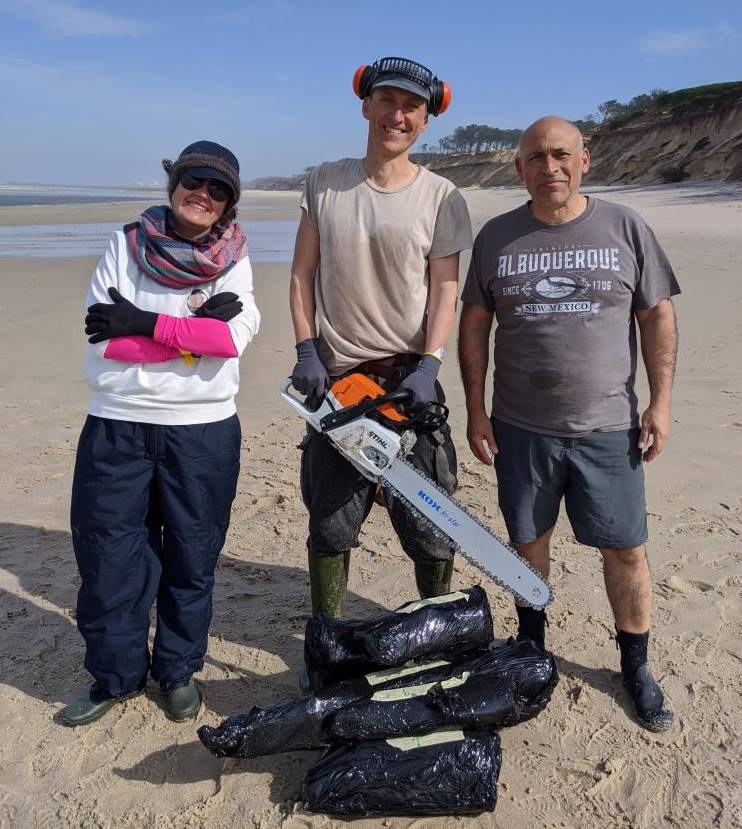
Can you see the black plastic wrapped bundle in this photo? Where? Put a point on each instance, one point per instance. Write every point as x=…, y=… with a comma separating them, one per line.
x=285, y=726
x=298, y=724
x=476, y=703
x=458, y=623
x=506, y=684
x=441, y=774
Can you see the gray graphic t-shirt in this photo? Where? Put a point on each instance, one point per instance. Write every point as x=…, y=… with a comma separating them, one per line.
x=564, y=296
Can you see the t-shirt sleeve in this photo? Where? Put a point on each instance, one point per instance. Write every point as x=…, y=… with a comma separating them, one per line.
x=656, y=277
x=308, y=197
x=476, y=291
x=452, y=227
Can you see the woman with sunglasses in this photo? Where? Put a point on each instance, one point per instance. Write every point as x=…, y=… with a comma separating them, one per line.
x=171, y=309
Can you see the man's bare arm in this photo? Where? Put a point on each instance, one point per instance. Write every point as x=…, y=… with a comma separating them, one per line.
x=659, y=343
x=474, y=336
x=303, y=273
x=443, y=289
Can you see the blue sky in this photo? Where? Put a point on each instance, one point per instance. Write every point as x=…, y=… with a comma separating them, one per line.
x=95, y=91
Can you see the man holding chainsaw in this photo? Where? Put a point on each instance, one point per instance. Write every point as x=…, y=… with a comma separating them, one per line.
x=567, y=276
x=373, y=290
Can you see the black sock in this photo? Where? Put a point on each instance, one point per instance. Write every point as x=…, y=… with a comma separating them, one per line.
x=532, y=624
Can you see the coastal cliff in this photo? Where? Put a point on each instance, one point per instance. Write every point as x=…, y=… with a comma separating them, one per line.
x=689, y=134
x=698, y=139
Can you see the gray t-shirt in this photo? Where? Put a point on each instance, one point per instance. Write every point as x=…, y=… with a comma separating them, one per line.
x=564, y=296
x=372, y=283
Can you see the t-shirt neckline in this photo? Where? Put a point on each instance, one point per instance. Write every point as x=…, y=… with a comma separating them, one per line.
x=384, y=190
x=586, y=213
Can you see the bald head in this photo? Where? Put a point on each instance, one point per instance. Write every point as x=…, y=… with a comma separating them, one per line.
x=551, y=124
x=551, y=161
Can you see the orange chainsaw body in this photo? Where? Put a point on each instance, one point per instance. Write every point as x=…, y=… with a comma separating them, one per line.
x=355, y=388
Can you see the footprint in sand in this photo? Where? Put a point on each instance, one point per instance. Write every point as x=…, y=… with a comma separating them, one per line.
x=260, y=504
x=683, y=587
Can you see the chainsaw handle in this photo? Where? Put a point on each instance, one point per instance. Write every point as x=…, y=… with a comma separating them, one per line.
x=342, y=416
x=303, y=407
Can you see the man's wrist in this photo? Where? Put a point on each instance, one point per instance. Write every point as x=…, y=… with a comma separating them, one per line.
x=438, y=353
x=660, y=402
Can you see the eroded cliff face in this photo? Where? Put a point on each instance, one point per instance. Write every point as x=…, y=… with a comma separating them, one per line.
x=494, y=169
x=701, y=139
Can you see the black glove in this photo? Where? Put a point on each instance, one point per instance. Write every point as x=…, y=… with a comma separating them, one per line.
x=421, y=382
x=122, y=319
x=224, y=306
x=310, y=376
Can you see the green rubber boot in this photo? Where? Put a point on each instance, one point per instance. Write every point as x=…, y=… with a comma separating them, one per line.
x=433, y=578
x=328, y=577
x=84, y=710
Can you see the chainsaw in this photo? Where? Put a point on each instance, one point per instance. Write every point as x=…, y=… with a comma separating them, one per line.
x=370, y=429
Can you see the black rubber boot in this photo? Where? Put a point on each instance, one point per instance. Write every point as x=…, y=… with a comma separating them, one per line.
x=433, y=578
x=328, y=578
x=643, y=688
x=532, y=625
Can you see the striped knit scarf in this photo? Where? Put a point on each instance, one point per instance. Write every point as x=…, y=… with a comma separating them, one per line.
x=176, y=262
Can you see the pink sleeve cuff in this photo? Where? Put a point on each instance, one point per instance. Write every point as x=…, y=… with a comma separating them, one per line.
x=139, y=350
x=199, y=335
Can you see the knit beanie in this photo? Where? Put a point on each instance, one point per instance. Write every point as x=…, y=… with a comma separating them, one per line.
x=206, y=159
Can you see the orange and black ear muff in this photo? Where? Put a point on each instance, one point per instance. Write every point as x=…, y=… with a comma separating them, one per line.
x=440, y=91
x=362, y=80
x=440, y=97
x=444, y=101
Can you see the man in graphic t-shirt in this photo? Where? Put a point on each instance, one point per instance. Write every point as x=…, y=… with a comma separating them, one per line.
x=567, y=276
x=373, y=289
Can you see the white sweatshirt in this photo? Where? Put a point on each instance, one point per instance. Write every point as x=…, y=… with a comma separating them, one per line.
x=182, y=391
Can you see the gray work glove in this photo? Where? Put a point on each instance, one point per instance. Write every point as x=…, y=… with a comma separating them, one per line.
x=310, y=376
x=421, y=382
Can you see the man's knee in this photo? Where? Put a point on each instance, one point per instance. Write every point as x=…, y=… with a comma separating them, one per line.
x=537, y=549
x=634, y=558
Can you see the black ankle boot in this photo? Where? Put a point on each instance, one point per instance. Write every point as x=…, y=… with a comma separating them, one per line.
x=532, y=625
x=643, y=688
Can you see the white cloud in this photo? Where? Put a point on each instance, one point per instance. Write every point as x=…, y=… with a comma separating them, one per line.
x=68, y=18
x=688, y=41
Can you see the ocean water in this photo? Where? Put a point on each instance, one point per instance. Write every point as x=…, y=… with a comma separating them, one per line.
x=20, y=195
x=268, y=240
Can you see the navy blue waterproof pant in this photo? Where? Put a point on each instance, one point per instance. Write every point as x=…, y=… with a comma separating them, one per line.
x=150, y=511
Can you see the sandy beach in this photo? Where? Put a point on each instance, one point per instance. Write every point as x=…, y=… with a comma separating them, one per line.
x=582, y=763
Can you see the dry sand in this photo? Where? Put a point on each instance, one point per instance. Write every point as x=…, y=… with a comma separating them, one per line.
x=582, y=763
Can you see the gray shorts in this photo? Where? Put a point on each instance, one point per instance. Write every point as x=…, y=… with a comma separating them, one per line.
x=600, y=476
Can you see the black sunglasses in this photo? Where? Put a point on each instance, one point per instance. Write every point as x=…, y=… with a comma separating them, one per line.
x=217, y=189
